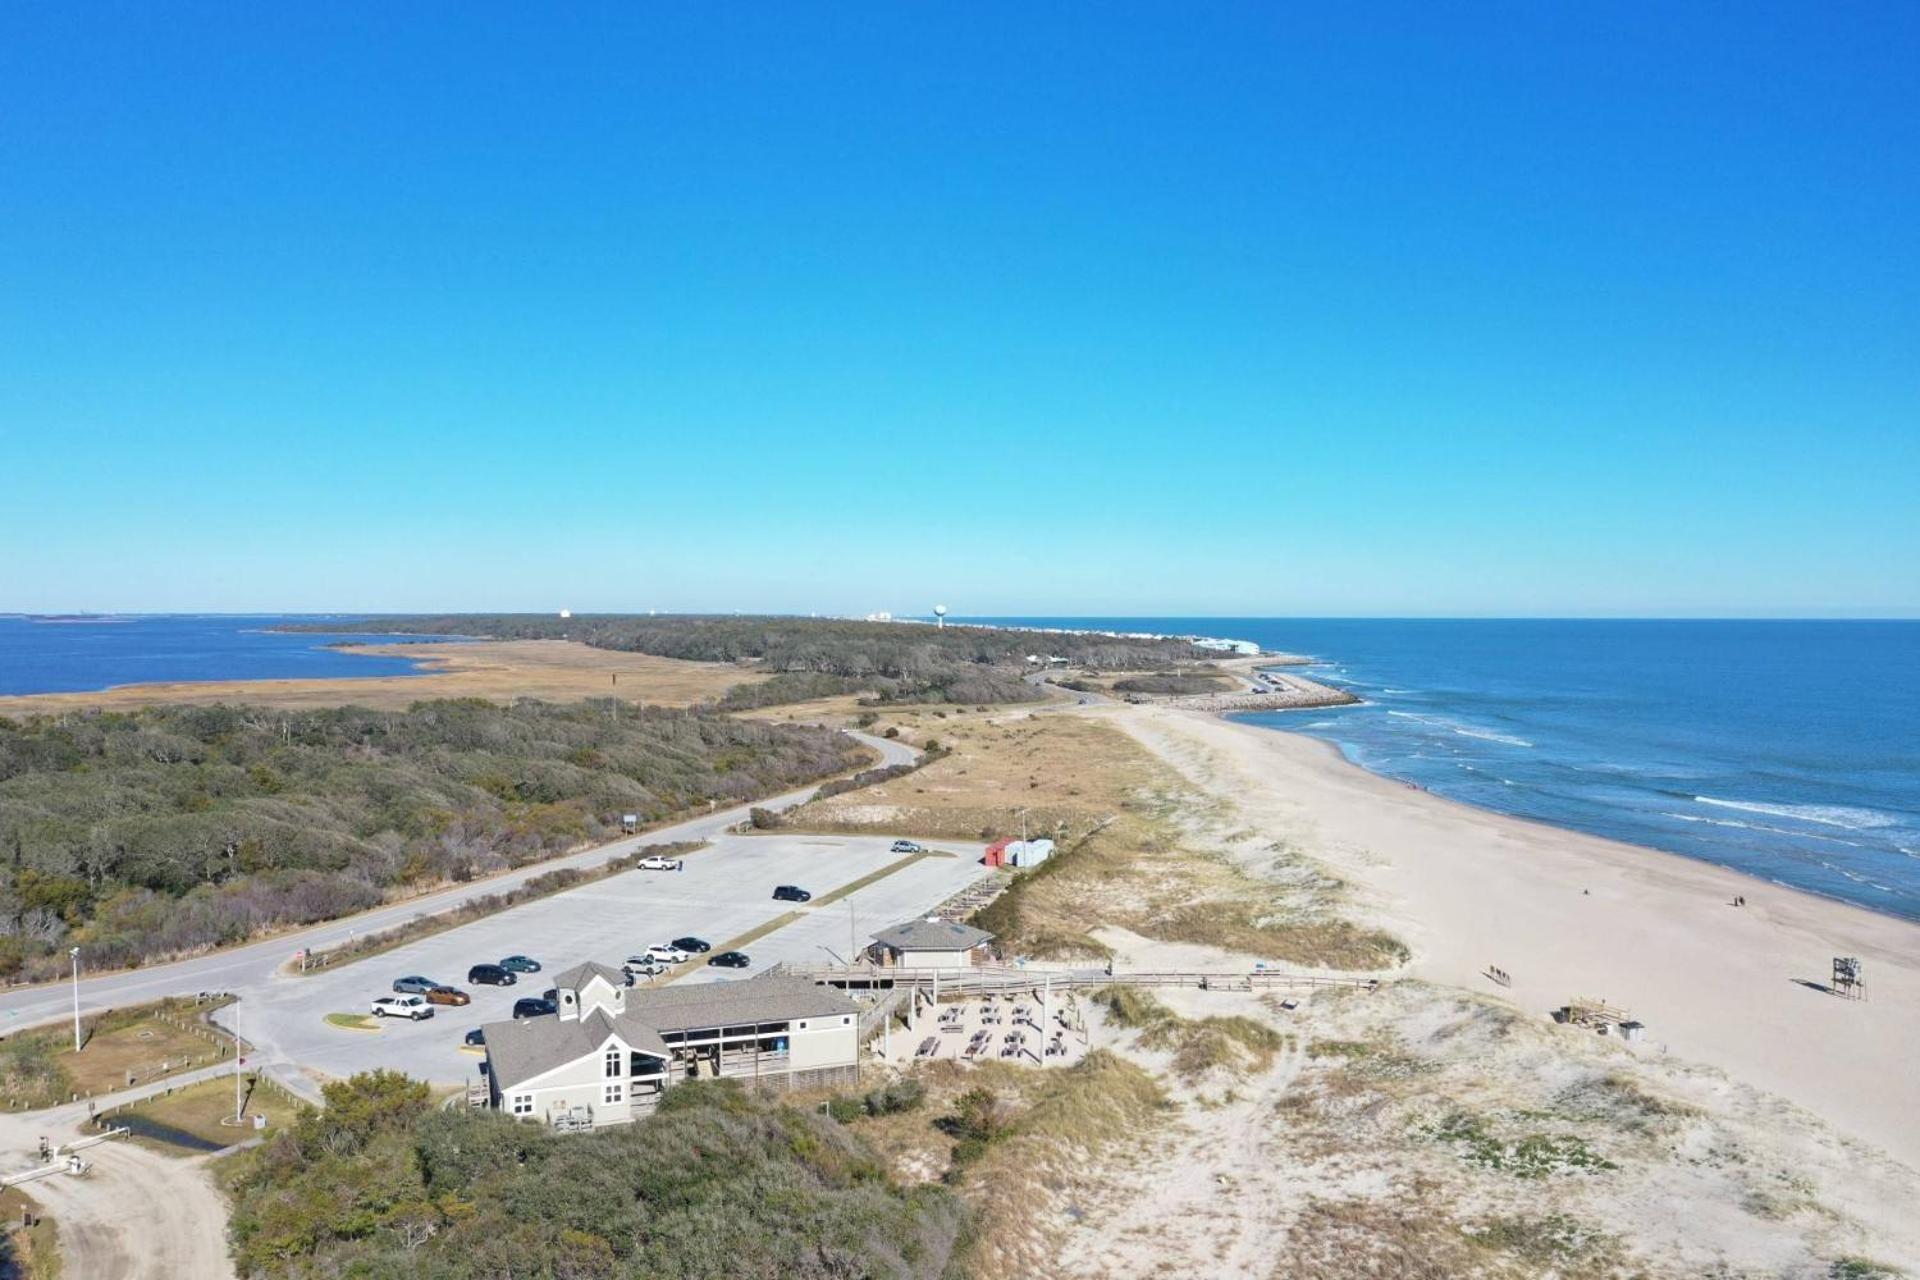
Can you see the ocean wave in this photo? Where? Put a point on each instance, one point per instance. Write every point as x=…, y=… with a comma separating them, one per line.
x=1761, y=826
x=1826, y=815
x=1464, y=730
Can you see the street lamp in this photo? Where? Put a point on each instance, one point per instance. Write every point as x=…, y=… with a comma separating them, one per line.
x=74, y=954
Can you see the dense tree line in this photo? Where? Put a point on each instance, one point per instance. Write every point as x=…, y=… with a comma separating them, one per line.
x=717, y=1185
x=164, y=830
x=816, y=657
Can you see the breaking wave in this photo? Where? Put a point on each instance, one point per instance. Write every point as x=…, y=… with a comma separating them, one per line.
x=1826, y=815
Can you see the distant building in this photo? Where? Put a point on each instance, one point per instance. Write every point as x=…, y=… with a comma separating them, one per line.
x=930, y=944
x=611, y=1051
x=1018, y=853
x=1245, y=648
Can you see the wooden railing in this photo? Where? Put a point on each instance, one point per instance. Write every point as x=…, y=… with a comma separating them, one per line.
x=1004, y=978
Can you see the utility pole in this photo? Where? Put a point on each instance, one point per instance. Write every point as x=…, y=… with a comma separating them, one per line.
x=239, y=1104
x=74, y=954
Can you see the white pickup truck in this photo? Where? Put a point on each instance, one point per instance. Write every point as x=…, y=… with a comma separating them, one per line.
x=658, y=863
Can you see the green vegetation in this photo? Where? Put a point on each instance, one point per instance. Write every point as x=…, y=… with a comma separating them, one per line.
x=1198, y=1045
x=1531, y=1155
x=978, y=1120
x=353, y=1021
x=39, y=1068
x=904, y=1094
x=172, y=829
x=718, y=1184
x=27, y=1252
x=1862, y=1269
x=824, y=657
x=1173, y=685
x=199, y=1117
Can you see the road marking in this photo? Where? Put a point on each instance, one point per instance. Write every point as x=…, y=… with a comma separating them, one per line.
x=782, y=921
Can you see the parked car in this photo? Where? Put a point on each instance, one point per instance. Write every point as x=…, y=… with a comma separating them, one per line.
x=520, y=964
x=476, y=1037
x=730, y=960
x=666, y=953
x=658, y=863
x=643, y=966
x=414, y=986
x=693, y=946
x=792, y=893
x=533, y=1007
x=908, y=846
x=414, y=1007
x=447, y=995
x=491, y=975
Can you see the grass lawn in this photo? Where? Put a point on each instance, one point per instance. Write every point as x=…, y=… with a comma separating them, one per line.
x=39, y=1068
x=353, y=1021
x=197, y=1110
x=36, y=1249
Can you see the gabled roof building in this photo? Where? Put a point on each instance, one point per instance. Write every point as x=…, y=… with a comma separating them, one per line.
x=610, y=1050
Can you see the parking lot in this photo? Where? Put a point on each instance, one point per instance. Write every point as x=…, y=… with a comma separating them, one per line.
x=723, y=894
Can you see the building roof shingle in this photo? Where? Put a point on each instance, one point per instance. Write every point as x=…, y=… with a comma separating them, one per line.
x=932, y=935
x=519, y=1050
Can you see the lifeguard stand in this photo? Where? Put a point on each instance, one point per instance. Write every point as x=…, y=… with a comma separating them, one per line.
x=1849, y=979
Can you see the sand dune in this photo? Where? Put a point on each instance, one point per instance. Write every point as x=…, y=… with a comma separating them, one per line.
x=1569, y=915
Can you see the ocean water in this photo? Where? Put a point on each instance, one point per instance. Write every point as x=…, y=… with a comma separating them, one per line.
x=71, y=655
x=1787, y=750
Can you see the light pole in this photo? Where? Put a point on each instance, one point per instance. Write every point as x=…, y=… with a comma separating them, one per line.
x=74, y=954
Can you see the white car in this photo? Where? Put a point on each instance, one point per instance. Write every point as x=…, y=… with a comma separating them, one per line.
x=908, y=846
x=644, y=964
x=414, y=1007
x=658, y=863
x=665, y=954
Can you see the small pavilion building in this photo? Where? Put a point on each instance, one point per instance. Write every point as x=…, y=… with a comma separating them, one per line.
x=931, y=943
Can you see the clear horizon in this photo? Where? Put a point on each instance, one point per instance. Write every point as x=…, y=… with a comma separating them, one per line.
x=1510, y=312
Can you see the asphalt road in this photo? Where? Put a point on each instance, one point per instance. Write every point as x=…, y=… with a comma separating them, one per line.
x=725, y=891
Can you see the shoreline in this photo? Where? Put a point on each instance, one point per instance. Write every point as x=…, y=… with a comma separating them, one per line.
x=1571, y=915
x=1229, y=714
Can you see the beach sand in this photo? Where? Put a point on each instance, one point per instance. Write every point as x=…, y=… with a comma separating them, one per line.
x=500, y=670
x=1569, y=915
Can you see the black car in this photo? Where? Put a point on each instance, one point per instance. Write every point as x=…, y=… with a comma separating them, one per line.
x=792, y=893
x=730, y=960
x=521, y=964
x=693, y=946
x=533, y=1007
x=491, y=975
x=476, y=1037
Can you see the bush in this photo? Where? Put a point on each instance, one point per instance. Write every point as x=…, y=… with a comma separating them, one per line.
x=904, y=1094
x=719, y=1183
x=172, y=829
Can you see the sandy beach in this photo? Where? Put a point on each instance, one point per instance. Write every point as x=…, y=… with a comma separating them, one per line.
x=1569, y=915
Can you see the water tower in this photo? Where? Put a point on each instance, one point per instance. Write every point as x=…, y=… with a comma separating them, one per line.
x=940, y=615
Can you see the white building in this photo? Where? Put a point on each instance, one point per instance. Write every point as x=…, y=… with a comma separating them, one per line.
x=611, y=1050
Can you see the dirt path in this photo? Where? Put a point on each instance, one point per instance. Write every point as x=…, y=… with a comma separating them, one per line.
x=136, y=1214
x=139, y=1215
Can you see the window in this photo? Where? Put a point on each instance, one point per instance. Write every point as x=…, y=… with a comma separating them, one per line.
x=615, y=1093
x=615, y=1061
x=523, y=1104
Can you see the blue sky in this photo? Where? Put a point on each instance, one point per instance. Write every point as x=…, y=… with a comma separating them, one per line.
x=1218, y=309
